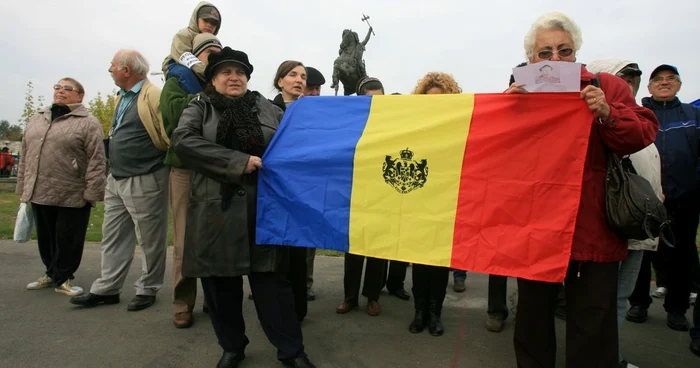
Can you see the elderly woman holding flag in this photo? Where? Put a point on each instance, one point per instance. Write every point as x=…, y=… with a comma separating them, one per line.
x=621, y=126
x=222, y=136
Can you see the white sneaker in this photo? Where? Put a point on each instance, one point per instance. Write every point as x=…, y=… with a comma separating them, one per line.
x=693, y=298
x=42, y=283
x=660, y=292
x=68, y=289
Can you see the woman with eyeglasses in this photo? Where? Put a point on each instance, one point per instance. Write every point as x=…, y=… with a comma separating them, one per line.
x=618, y=125
x=61, y=176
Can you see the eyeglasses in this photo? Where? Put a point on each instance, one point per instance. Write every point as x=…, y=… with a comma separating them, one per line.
x=547, y=54
x=670, y=78
x=66, y=87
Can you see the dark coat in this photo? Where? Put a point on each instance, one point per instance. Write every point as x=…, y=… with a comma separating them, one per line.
x=221, y=243
x=678, y=142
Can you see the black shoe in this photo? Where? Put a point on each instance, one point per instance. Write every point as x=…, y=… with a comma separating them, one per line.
x=230, y=360
x=400, y=293
x=419, y=322
x=205, y=309
x=91, y=300
x=435, y=325
x=695, y=347
x=637, y=314
x=250, y=296
x=310, y=295
x=141, y=302
x=299, y=362
x=677, y=321
x=459, y=286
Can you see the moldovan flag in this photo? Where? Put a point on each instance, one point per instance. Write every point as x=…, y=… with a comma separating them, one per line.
x=481, y=182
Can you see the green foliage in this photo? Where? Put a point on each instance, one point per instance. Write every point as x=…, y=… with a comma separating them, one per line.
x=9, y=132
x=102, y=107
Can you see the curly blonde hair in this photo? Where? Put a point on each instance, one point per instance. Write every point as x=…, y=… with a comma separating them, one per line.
x=444, y=81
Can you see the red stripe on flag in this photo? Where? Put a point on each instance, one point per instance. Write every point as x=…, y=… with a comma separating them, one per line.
x=521, y=185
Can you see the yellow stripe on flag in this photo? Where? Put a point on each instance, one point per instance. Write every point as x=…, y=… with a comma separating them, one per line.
x=393, y=201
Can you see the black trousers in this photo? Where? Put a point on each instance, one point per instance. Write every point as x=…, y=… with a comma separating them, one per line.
x=374, y=277
x=640, y=296
x=61, y=236
x=273, y=302
x=591, y=319
x=683, y=258
x=498, y=288
x=297, y=277
x=695, y=331
x=396, y=275
x=430, y=287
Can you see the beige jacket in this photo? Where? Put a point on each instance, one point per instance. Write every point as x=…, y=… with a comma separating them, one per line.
x=648, y=165
x=63, y=162
x=148, y=106
x=182, y=41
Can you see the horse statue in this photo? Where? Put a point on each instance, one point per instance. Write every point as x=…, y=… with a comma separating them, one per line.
x=349, y=67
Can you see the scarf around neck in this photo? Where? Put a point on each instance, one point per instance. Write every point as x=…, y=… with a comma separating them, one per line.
x=239, y=127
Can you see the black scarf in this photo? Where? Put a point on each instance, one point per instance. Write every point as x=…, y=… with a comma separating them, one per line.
x=239, y=129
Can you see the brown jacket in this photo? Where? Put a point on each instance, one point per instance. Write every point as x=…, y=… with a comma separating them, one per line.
x=62, y=162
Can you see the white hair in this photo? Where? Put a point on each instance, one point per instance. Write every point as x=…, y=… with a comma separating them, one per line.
x=552, y=21
x=134, y=60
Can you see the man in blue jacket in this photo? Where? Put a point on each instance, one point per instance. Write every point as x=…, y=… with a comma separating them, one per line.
x=678, y=144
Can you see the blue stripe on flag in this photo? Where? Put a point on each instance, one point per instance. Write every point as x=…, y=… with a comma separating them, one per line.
x=304, y=189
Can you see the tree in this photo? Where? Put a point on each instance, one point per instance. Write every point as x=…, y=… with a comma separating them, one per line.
x=103, y=109
x=9, y=132
x=29, y=109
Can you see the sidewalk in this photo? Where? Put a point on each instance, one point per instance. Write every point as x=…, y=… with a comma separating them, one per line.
x=41, y=329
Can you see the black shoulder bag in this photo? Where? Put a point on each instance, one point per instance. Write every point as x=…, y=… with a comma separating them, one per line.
x=632, y=209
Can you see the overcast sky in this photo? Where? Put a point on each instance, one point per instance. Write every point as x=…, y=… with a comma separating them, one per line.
x=478, y=42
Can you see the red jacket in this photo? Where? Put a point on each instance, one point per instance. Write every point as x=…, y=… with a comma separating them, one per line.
x=629, y=129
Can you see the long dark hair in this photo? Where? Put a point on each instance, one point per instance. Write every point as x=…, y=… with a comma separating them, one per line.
x=283, y=70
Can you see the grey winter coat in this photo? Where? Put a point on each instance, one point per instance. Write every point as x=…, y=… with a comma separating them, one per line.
x=222, y=243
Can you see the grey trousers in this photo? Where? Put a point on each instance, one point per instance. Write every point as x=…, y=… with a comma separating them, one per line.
x=136, y=213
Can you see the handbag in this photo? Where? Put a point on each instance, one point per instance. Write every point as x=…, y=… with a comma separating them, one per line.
x=632, y=209
x=24, y=223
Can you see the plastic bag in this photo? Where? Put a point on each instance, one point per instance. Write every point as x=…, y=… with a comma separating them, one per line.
x=24, y=224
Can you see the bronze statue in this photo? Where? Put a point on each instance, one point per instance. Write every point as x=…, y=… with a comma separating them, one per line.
x=349, y=67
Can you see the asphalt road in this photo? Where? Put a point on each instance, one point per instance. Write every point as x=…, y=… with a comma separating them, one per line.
x=41, y=329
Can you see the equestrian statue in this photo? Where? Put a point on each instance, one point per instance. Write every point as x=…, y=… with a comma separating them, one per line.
x=349, y=67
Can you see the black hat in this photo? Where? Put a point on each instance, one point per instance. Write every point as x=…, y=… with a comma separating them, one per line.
x=314, y=77
x=663, y=67
x=630, y=69
x=227, y=55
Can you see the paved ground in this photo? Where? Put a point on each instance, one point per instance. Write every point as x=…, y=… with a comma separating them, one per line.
x=41, y=329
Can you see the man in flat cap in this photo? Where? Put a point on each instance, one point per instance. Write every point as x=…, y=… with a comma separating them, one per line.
x=314, y=81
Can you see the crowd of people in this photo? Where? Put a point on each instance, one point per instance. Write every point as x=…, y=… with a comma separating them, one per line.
x=195, y=148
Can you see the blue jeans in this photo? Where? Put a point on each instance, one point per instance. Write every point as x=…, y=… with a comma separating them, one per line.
x=459, y=275
x=626, y=280
x=185, y=77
